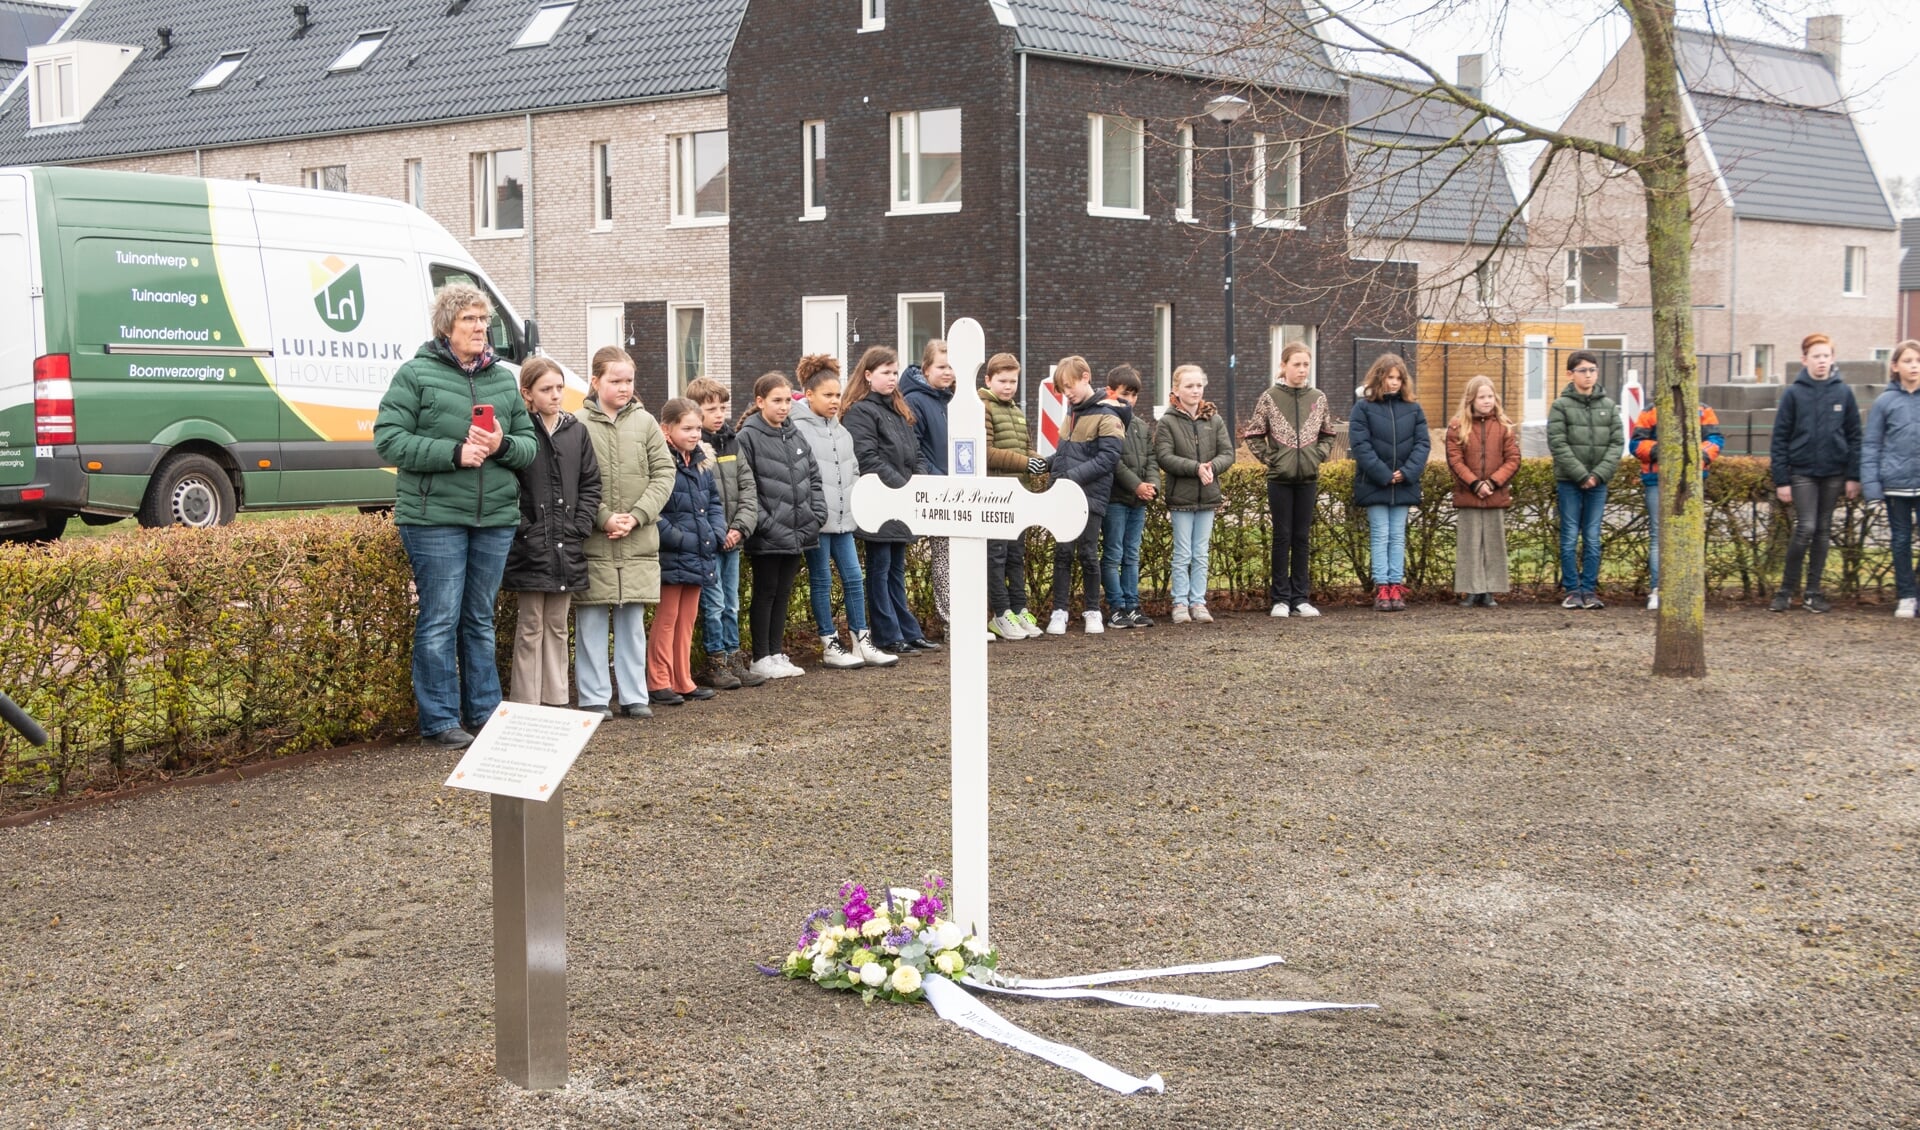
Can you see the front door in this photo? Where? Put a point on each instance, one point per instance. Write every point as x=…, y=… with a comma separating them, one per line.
x=823, y=327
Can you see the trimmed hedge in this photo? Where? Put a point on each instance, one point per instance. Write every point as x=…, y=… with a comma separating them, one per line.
x=171, y=652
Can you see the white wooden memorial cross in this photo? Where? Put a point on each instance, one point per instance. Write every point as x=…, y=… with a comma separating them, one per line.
x=969, y=508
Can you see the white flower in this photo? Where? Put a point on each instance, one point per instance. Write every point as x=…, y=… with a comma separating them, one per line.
x=976, y=947
x=948, y=963
x=905, y=979
x=947, y=935
x=824, y=969
x=873, y=974
x=911, y=923
x=876, y=927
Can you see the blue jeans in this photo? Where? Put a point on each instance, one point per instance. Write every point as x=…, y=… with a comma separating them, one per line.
x=893, y=622
x=1580, y=513
x=1653, y=536
x=1192, y=544
x=1901, y=516
x=836, y=550
x=629, y=626
x=1387, y=528
x=456, y=669
x=1120, y=532
x=720, y=605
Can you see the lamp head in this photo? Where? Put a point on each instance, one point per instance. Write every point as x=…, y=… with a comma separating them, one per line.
x=1227, y=108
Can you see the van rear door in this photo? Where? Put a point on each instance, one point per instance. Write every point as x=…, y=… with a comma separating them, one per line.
x=19, y=330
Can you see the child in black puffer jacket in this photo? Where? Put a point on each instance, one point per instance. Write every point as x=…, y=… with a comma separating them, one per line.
x=692, y=523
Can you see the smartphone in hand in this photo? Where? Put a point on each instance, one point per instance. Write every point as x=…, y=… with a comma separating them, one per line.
x=483, y=417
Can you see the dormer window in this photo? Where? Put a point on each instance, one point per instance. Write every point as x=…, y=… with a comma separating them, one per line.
x=545, y=24
x=53, y=93
x=221, y=71
x=65, y=81
x=360, y=50
x=873, y=15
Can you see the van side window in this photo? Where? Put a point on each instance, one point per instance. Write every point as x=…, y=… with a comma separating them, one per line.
x=504, y=337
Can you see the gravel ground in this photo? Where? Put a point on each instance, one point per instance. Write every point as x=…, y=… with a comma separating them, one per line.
x=1581, y=898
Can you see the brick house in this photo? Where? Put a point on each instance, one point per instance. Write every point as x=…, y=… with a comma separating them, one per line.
x=1909, y=318
x=899, y=165
x=1792, y=231
x=576, y=148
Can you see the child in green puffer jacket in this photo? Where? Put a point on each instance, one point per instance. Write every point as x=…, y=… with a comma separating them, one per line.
x=1008, y=448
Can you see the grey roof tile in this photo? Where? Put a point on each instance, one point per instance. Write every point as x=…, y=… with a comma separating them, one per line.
x=1198, y=37
x=1793, y=164
x=1756, y=72
x=24, y=25
x=1910, y=253
x=432, y=67
x=1450, y=196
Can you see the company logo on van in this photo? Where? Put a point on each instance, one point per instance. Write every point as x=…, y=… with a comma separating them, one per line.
x=338, y=295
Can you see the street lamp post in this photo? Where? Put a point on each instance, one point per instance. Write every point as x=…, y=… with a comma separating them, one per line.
x=1227, y=110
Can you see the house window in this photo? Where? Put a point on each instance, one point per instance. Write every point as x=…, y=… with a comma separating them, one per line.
x=327, y=178
x=1593, y=276
x=687, y=346
x=499, y=192
x=926, y=161
x=923, y=317
x=813, y=170
x=221, y=71
x=1115, y=166
x=1853, y=280
x=1305, y=335
x=1620, y=134
x=414, y=172
x=53, y=94
x=873, y=15
x=544, y=25
x=1163, y=351
x=1762, y=362
x=602, y=187
x=700, y=177
x=1276, y=182
x=359, y=51
x=1486, y=280
x=1183, y=189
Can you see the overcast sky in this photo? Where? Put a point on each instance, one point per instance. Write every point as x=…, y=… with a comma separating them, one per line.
x=1549, y=51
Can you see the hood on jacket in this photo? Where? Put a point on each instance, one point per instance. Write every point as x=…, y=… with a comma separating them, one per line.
x=1806, y=378
x=915, y=380
x=1206, y=411
x=759, y=423
x=720, y=439
x=592, y=408
x=1114, y=406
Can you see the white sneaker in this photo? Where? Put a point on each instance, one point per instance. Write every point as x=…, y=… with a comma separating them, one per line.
x=788, y=668
x=869, y=654
x=1653, y=601
x=769, y=666
x=991, y=638
x=1006, y=627
x=1181, y=615
x=1094, y=627
x=1904, y=610
x=837, y=657
x=1200, y=614
x=1026, y=621
x=1280, y=611
x=1057, y=625
x=1306, y=609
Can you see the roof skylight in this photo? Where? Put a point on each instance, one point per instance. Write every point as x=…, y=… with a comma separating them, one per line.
x=360, y=50
x=545, y=24
x=221, y=71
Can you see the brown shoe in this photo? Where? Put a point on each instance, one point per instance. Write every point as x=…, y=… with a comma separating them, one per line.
x=718, y=674
x=742, y=667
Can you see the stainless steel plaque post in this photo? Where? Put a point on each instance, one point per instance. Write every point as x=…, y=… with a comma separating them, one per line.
x=530, y=941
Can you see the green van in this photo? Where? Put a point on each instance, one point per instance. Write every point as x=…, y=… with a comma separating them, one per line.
x=177, y=349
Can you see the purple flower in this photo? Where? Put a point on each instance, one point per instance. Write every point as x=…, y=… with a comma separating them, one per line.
x=857, y=914
x=926, y=908
x=806, y=940
x=899, y=937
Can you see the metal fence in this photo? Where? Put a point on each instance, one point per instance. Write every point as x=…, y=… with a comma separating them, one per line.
x=1441, y=369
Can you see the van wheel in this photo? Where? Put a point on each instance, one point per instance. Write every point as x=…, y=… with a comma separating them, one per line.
x=188, y=490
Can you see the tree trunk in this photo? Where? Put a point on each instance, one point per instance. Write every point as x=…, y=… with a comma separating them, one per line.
x=1680, y=637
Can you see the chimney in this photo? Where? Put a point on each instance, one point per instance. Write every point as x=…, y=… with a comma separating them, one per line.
x=300, y=20
x=1471, y=71
x=1825, y=35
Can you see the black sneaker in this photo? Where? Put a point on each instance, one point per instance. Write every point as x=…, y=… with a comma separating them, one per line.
x=1141, y=619
x=1591, y=601
x=923, y=644
x=666, y=697
x=1123, y=619
x=699, y=694
x=597, y=708
x=1817, y=602
x=1782, y=601
x=637, y=710
x=455, y=738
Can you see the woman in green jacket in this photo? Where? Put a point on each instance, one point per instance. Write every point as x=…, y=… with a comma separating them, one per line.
x=456, y=505
x=623, y=555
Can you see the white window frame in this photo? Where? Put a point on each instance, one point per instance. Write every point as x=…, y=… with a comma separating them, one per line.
x=904, y=133
x=1262, y=146
x=57, y=75
x=873, y=15
x=1762, y=356
x=1097, y=168
x=1163, y=313
x=1853, y=272
x=1183, y=188
x=1309, y=336
x=810, y=187
x=316, y=178
x=1573, y=284
x=544, y=24
x=674, y=387
x=363, y=48
x=486, y=172
x=903, y=328
x=413, y=174
x=223, y=69
x=681, y=188
x=600, y=160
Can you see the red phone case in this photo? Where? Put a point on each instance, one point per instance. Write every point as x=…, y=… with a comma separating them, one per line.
x=483, y=416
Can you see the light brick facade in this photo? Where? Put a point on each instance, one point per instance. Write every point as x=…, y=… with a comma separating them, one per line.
x=640, y=257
